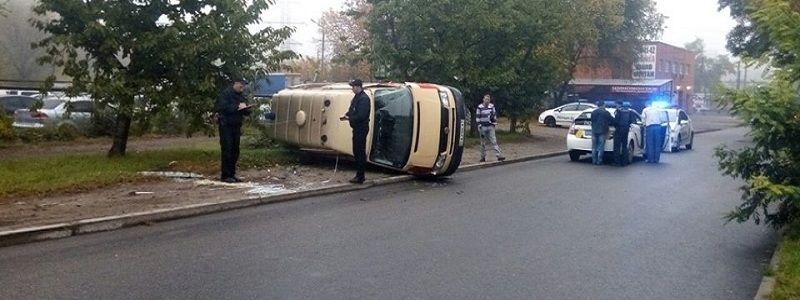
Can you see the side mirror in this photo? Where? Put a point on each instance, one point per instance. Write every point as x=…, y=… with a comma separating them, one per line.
x=558, y=110
x=684, y=122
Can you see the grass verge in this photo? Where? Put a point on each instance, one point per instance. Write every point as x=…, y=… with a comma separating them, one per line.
x=75, y=173
x=787, y=277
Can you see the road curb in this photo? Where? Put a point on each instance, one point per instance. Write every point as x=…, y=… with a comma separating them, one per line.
x=767, y=281
x=67, y=229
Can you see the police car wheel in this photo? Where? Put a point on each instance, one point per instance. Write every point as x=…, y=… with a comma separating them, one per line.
x=630, y=153
x=574, y=156
x=550, y=122
x=691, y=141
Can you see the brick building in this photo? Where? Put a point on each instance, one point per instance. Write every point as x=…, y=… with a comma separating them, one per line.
x=661, y=71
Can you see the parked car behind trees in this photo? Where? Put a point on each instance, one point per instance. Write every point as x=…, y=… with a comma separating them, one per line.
x=71, y=113
x=10, y=104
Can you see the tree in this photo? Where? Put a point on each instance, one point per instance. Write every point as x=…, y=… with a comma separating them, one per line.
x=15, y=44
x=502, y=47
x=158, y=53
x=770, y=166
x=708, y=70
x=605, y=33
x=349, y=41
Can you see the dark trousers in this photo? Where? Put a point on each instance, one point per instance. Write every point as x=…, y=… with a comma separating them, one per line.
x=621, y=147
x=360, y=150
x=229, y=137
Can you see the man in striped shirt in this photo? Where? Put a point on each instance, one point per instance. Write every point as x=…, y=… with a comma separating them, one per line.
x=486, y=118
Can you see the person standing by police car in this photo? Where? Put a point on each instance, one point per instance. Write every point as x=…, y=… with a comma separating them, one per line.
x=231, y=107
x=601, y=121
x=653, y=117
x=486, y=117
x=358, y=116
x=623, y=118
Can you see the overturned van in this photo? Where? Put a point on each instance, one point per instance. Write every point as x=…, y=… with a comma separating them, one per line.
x=414, y=127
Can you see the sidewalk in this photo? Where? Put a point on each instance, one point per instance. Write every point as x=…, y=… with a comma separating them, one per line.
x=174, y=198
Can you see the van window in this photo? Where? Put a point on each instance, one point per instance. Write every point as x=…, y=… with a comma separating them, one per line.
x=393, y=126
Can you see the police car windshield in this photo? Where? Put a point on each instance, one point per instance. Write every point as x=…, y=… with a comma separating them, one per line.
x=673, y=115
x=394, y=125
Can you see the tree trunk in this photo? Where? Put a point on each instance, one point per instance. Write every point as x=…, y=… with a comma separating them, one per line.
x=473, y=126
x=120, y=135
x=525, y=126
x=513, y=127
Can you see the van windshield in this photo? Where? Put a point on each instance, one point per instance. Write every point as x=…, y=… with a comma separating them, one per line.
x=394, y=125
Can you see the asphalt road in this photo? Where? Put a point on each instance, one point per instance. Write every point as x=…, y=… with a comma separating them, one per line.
x=548, y=229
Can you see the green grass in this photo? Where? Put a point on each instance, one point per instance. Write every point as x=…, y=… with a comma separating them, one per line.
x=788, y=273
x=503, y=137
x=75, y=173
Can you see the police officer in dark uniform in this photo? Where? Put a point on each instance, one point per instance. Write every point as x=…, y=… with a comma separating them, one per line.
x=623, y=118
x=231, y=107
x=358, y=116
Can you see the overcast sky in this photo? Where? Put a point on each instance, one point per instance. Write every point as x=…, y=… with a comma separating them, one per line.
x=686, y=20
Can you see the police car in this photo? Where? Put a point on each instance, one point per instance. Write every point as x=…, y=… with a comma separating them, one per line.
x=579, y=137
x=563, y=115
x=681, y=131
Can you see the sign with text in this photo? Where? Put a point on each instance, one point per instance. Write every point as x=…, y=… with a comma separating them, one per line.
x=634, y=89
x=645, y=65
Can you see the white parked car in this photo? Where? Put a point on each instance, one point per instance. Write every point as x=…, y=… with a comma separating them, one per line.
x=680, y=132
x=579, y=137
x=565, y=114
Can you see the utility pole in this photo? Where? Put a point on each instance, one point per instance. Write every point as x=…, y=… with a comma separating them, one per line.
x=322, y=54
x=739, y=74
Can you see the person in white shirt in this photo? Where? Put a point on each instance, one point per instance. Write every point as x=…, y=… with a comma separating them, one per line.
x=653, y=118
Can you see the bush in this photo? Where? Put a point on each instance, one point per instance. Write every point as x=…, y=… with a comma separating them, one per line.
x=6, y=130
x=771, y=166
x=47, y=133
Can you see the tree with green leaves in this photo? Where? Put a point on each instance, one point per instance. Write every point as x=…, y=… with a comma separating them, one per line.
x=606, y=33
x=158, y=54
x=348, y=41
x=502, y=47
x=708, y=70
x=770, y=166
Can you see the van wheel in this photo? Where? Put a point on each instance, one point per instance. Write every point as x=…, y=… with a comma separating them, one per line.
x=574, y=155
x=550, y=122
x=691, y=141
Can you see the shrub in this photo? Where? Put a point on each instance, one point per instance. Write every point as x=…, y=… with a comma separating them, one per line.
x=771, y=165
x=6, y=130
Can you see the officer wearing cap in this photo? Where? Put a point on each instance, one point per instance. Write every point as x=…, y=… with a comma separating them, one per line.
x=358, y=116
x=231, y=107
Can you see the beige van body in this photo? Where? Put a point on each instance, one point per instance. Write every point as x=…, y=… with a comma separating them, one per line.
x=414, y=127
